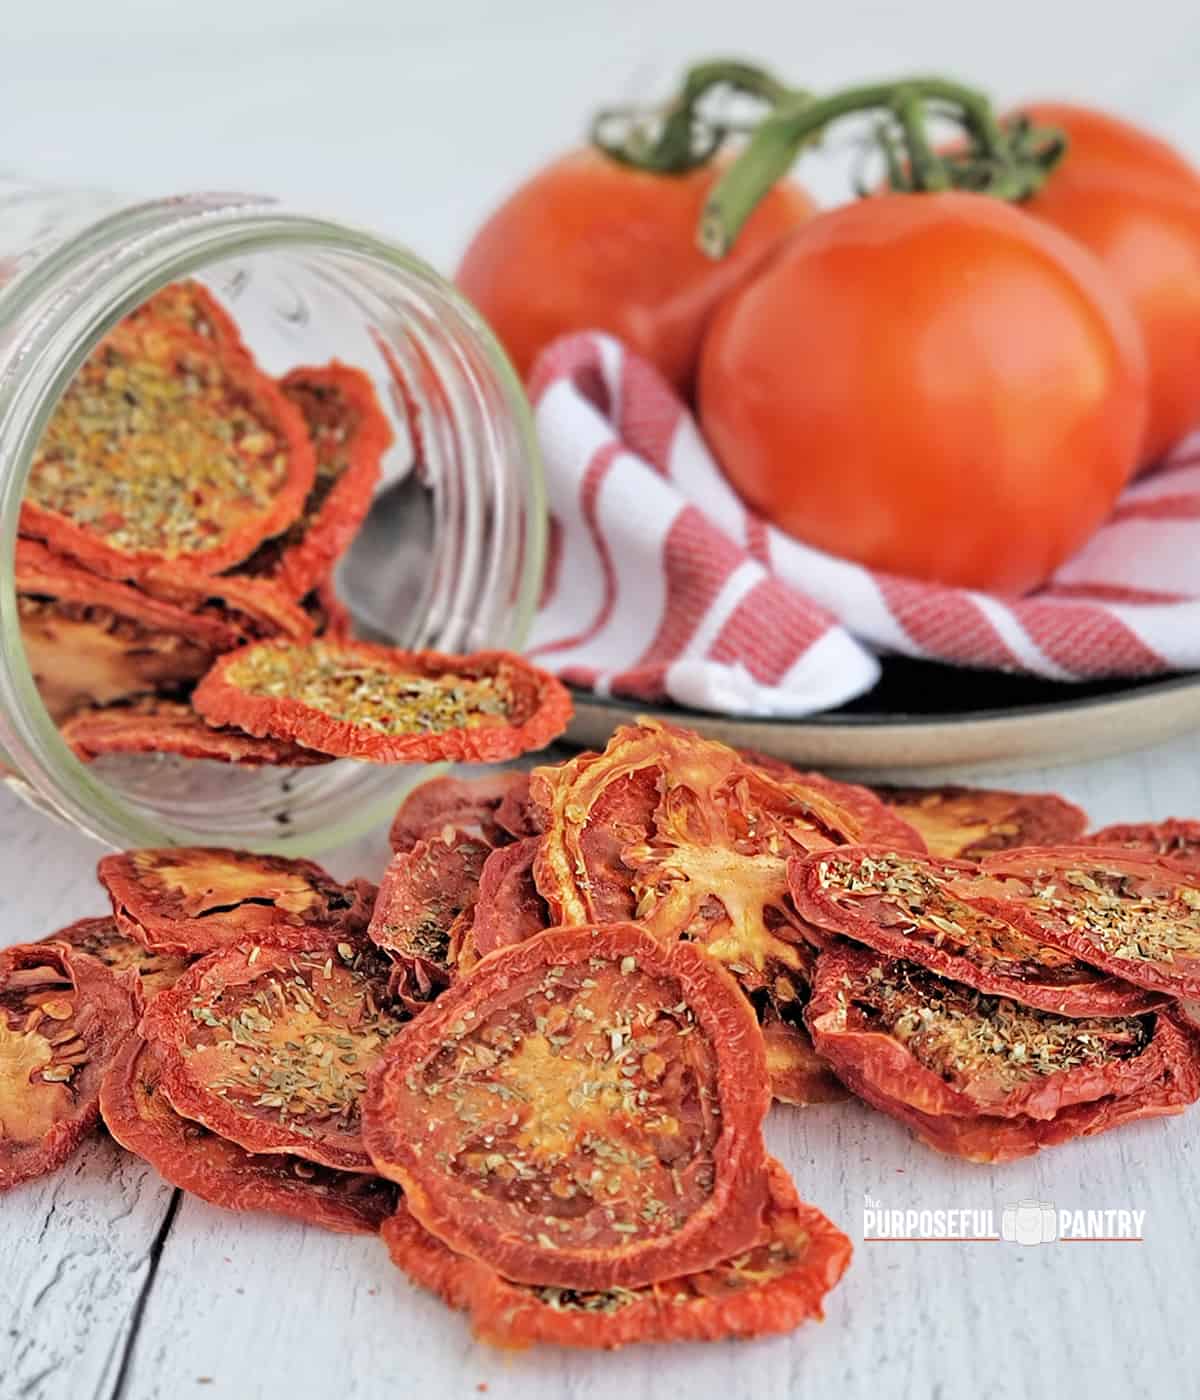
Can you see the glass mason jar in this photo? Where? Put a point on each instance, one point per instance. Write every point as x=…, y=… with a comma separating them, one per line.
x=450, y=557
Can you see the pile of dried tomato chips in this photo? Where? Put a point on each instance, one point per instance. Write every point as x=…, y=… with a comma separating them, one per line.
x=537, y=1059
x=182, y=522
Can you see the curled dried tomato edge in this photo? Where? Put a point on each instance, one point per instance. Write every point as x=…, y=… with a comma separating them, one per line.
x=726, y=1222
x=1175, y=841
x=514, y=1316
x=115, y=1003
x=245, y=1180
x=879, y=1058
x=473, y=804
x=1096, y=994
x=546, y=701
x=1179, y=978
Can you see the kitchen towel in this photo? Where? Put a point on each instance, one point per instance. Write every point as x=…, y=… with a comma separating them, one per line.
x=660, y=584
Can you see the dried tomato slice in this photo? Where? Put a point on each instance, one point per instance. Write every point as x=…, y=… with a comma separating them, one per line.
x=471, y=804
x=104, y=940
x=41, y=574
x=152, y=725
x=583, y=1110
x=269, y=1046
x=85, y=656
x=190, y=306
x=257, y=607
x=509, y=908
x=350, y=433
x=1136, y=917
x=797, y=1073
x=994, y=1140
x=1173, y=840
x=772, y=1287
x=163, y=450
x=423, y=893
x=964, y=822
x=682, y=834
x=197, y=899
x=944, y=915
x=949, y=1050
x=63, y=1015
x=139, y=1115
x=357, y=700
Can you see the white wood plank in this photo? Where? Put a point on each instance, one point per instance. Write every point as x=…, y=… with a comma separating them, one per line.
x=74, y=1256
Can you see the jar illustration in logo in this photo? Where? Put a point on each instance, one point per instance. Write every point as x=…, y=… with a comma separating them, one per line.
x=1029, y=1222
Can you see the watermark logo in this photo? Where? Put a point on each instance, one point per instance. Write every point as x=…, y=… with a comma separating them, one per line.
x=1018, y=1222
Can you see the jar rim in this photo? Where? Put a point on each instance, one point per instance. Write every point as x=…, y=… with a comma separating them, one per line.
x=72, y=298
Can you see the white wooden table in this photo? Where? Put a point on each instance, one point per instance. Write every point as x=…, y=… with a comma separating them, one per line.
x=414, y=119
x=113, y=1286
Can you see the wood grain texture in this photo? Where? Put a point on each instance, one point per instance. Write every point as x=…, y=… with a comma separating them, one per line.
x=255, y=1308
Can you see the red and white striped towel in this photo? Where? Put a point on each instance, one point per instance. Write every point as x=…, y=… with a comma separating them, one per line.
x=661, y=584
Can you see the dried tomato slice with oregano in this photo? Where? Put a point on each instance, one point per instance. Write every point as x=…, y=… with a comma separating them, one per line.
x=269, y=1046
x=685, y=836
x=63, y=1016
x=1175, y=841
x=197, y=899
x=1137, y=917
x=479, y=806
x=358, y=700
x=772, y=1287
x=139, y=1115
x=949, y=1050
x=167, y=449
x=508, y=908
x=583, y=1110
x=424, y=894
x=992, y=1140
x=350, y=433
x=104, y=940
x=190, y=306
x=156, y=726
x=964, y=822
x=945, y=915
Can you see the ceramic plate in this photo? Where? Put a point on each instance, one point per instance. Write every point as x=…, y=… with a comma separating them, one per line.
x=931, y=720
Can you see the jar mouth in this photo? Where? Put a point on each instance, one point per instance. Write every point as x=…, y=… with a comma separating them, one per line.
x=476, y=431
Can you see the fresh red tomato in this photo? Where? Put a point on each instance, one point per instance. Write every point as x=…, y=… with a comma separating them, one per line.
x=1136, y=204
x=589, y=244
x=936, y=385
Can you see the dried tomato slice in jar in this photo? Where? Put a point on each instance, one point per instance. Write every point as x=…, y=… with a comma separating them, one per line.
x=682, y=834
x=166, y=449
x=509, y=908
x=946, y=1049
x=472, y=804
x=357, y=700
x=772, y=1287
x=1173, y=840
x=82, y=655
x=104, y=940
x=945, y=916
x=139, y=1115
x=350, y=433
x=190, y=306
x=1136, y=917
x=583, y=1110
x=424, y=893
x=152, y=725
x=962, y=823
x=63, y=1015
x=197, y=899
x=270, y=1046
